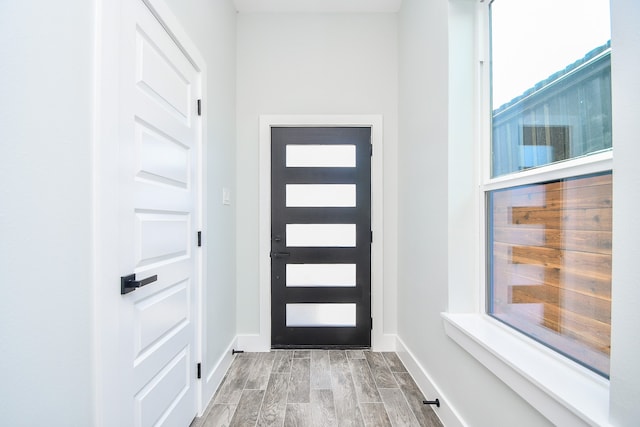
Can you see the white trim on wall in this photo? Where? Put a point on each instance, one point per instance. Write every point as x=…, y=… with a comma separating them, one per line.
x=563, y=391
x=447, y=413
x=212, y=378
x=379, y=340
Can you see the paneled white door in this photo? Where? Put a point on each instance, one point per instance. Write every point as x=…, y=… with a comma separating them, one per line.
x=159, y=139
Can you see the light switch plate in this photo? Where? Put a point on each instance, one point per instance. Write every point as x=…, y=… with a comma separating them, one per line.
x=226, y=196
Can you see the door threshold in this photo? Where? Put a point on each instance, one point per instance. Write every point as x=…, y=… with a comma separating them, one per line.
x=320, y=347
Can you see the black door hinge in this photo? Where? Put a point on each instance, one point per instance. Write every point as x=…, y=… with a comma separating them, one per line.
x=199, y=370
x=371, y=236
x=371, y=150
x=199, y=107
x=199, y=238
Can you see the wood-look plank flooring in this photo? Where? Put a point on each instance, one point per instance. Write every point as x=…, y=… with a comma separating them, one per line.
x=318, y=388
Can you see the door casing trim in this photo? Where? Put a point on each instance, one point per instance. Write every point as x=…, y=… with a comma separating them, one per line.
x=262, y=341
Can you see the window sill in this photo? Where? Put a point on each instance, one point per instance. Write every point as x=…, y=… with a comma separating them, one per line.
x=561, y=390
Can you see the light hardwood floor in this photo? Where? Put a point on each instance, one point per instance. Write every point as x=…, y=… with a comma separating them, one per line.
x=319, y=388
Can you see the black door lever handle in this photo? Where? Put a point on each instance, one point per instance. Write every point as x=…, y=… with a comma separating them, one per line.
x=280, y=254
x=130, y=284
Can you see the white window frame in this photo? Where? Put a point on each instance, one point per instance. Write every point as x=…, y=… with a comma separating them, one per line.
x=564, y=391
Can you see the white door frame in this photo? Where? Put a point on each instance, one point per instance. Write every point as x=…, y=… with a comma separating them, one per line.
x=262, y=341
x=105, y=203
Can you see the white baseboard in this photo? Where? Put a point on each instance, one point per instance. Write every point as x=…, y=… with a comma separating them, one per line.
x=384, y=342
x=259, y=343
x=253, y=343
x=447, y=413
x=213, y=377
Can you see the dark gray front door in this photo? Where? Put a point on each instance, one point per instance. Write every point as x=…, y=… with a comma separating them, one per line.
x=320, y=237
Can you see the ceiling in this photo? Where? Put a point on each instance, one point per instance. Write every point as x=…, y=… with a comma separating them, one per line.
x=318, y=6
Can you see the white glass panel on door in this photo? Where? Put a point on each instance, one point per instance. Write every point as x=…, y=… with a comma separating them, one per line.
x=321, y=195
x=321, y=315
x=321, y=275
x=321, y=235
x=319, y=156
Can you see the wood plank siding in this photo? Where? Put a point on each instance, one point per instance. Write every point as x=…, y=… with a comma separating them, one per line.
x=551, y=264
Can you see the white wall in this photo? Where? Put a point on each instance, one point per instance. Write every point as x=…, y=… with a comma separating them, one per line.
x=429, y=241
x=45, y=213
x=311, y=64
x=211, y=25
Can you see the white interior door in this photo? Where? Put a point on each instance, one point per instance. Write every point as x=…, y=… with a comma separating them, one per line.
x=159, y=156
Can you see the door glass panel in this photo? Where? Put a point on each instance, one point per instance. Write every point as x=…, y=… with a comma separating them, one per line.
x=321, y=195
x=306, y=275
x=321, y=235
x=321, y=315
x=319, y=156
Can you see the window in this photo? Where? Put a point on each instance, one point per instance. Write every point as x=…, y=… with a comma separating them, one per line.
x=548, y=189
